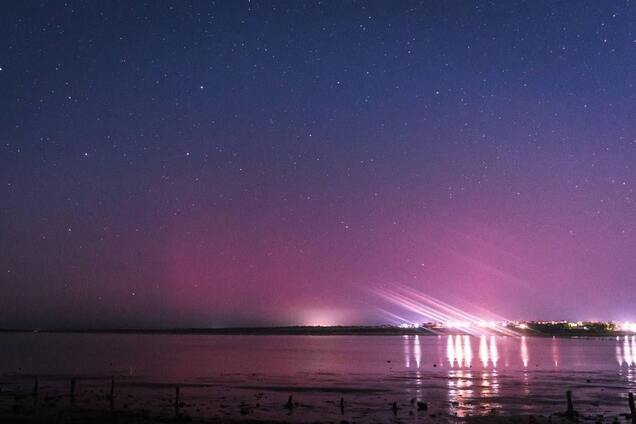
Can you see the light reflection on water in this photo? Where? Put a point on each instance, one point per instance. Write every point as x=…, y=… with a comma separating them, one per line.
x=494, y=351
x=470, y=377
x=407, y=352
x=285, y=355
x=626, y=358
x=417, y=351
x=460, y=387
x=463, y=381
x=468, y=351
x=463, y=374
x=483, y=351
x=626, y=350
x=490, y=349
x=525, y=357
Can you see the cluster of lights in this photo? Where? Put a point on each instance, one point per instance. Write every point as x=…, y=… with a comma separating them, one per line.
x=628, y=326
x=488, y=324
x=468, y=324
x=443, y=315
x=436, y=313
x=460, y=324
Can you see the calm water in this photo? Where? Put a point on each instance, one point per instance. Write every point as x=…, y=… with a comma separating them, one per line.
x=227, y=376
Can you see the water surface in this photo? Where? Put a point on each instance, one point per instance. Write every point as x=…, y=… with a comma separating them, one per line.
x=231, y=376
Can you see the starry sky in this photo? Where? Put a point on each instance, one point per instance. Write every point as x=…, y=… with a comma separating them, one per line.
x=171, y=163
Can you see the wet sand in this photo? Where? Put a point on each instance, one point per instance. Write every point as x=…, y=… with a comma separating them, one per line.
x=242, y=399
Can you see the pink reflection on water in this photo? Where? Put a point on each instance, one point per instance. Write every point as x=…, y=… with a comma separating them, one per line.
x=414, y=354
x=494, y=351
x=468, y=352
x=417, y=351
x=619, y=353
x=460, y=387
x=525, y=357
x=628, y=355
x=483, y=351
x=463, y=385
x=407, y=351
x=459, y=351
x=489, y=391
x=450, y=351
x=488, y=351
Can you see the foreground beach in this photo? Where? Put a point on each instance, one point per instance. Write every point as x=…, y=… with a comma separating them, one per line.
x=102, y=418
x=97, y=408
x=323, y=399
x=409, y=415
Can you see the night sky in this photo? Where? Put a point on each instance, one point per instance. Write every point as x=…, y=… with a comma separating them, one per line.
x=263, y=163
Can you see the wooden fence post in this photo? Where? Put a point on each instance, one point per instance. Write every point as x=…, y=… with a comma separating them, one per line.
x=72, y=391
x=570, y=412
x=176, y=401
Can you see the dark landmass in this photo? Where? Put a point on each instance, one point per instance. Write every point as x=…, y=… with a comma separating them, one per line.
x=292, y=330
x=535, y=329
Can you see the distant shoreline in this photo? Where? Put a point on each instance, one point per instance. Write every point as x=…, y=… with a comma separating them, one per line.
x=326, y=331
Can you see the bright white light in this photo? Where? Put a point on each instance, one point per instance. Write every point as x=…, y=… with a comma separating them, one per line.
x=628, y=326
x=468, y=351
x=484, y=355
x=450, y=351
x=494, y=352
x=525, y=357
x=417, y=352
x=458, y=324
x=434, y=310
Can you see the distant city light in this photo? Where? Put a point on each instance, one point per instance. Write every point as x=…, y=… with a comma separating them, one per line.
x=489, y=324
x=628, y=326
x=434, y=314
x=440, y=317
x=480, y=326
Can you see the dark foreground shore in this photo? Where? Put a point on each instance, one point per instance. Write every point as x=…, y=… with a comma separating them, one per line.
x=97, y=406
x=88, y=416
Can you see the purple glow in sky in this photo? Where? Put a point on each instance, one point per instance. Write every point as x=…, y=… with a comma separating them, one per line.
x=262, y=163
